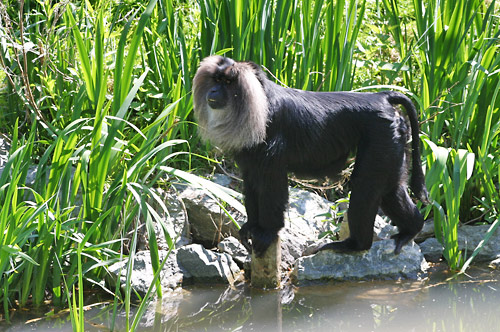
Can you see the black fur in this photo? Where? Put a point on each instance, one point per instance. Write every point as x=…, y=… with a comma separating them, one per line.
x=312, y=134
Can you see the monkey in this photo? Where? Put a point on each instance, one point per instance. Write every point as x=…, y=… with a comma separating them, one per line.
x=271, y=130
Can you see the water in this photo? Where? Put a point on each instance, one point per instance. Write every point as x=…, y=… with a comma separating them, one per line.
x=468, y=303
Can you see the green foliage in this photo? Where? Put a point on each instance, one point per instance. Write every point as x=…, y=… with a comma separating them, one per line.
x=450, y=171
x=307, y=44
x=93, y=182
x=96, y=98
x=457, y=55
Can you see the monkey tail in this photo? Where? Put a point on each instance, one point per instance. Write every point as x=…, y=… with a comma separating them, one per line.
x=417, y=181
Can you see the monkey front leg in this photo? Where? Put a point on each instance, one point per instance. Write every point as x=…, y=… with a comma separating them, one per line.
x=252, y=208
x=265, y=201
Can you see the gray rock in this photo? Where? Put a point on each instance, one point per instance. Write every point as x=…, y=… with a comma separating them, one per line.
x=470, y=236
x=432, y=250
x=292, y=247
x=30, y=177
x=377, y=263
x=172, y=274
x=426, y=232
x=235, y=249
x=189, y=263
x=173, y=217
x=304, y=222
x=206, y=266
x=208, y=222
x=383, y=229
x=312, y=246
x=306, y=208
x=221, y=179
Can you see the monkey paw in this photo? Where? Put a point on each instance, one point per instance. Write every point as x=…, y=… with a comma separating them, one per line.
x=246, y=236
x=256, y=239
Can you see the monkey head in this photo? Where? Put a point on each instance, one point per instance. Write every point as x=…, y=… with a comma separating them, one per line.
x=230, y=104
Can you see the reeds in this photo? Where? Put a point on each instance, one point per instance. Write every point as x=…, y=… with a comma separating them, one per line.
x=98, y=102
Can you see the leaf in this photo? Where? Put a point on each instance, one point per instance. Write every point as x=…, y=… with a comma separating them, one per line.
x=83, y=55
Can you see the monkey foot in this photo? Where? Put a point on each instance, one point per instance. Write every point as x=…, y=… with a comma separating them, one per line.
x=346, y=246
x=401, y=240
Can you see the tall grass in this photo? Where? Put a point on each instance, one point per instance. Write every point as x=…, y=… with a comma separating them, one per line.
x=451, y=169
x=307, y=44
x=102, y=97
x=456, y=51
x=93, y=179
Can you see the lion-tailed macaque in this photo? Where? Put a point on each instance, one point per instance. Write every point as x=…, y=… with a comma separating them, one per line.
x=271, y=130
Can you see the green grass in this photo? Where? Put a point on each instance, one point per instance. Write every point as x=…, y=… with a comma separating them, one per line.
x=97, y=98
x=457, y=55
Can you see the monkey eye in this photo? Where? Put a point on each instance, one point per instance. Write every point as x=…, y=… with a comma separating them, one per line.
x=219, y=79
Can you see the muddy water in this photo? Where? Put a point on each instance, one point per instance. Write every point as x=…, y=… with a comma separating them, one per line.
x=468, y=303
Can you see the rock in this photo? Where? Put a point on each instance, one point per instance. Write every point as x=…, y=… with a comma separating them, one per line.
x=426, y=232
x=305, y=213
x=304, y=222
x=221, y=179
x=470, y=236
x=383, y=229
x=315, y=245
x=172, y=274
x=377, y=263
x=30, y=177
x=206, y=266
x=186, y=264
x=432, y=250
x=208, y=222
x=173, y=217
x=235, y=249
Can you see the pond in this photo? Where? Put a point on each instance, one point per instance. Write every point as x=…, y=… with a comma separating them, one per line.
x=466, y=303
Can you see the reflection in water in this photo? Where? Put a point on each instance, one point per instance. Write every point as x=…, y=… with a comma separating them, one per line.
x=465, y=304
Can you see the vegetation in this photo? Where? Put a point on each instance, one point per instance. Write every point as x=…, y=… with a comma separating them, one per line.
x=96, y=96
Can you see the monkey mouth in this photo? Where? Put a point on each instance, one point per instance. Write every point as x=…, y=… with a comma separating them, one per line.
x=215, y=103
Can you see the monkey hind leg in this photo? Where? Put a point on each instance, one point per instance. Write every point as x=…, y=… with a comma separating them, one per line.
x=399, y=207
x=363, y=207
